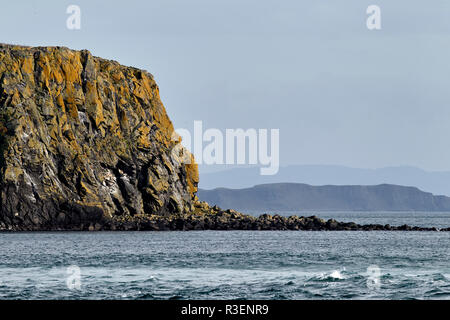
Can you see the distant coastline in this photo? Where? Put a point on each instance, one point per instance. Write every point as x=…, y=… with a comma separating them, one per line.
x=304, y=197
x=436, y=182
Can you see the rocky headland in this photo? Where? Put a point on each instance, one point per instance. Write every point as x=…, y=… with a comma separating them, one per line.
x=86, y=144
x=84, y=139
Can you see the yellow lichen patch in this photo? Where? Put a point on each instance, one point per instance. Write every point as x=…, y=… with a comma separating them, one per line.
x=160, y=185
x=32, y=144
x=90, y=203
x=15, y=100
x=143, y=140
x=164, y=124
x=147, y=84
x=54, y=132
x=26, y=92
x=74, y=146
x=72, y=69
x=72, y=110
x=192, y=176
x=95, y=110
x=44, y=68
x=27, y=68
x=94, y=106
x=57, y=76
x=140, y=92
x=60, y=101
x=85, y=189
x=12, y=173
x=117, y=76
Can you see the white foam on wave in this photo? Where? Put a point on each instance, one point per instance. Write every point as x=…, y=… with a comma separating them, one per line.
x=336, y=274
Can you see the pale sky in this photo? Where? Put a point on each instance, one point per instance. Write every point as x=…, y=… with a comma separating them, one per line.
x=339, y=93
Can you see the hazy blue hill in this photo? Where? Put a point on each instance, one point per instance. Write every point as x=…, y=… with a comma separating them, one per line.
x=434, y=182
x=297, y=196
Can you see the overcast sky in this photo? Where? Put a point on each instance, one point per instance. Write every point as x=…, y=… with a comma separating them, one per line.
x=339, y=93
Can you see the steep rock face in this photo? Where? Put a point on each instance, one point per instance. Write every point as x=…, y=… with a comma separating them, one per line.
x=83, y=139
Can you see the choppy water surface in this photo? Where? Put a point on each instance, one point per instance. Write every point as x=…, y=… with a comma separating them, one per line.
x=226, y=265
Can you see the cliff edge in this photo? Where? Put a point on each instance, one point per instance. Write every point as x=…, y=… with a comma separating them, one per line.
x=84, y=139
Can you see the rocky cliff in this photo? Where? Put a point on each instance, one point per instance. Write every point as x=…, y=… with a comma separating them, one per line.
x=84, y=140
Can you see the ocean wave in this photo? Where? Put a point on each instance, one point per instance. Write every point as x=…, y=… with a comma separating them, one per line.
x=335, y=275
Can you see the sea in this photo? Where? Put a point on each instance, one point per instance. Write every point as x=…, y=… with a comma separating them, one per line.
x=233, y=264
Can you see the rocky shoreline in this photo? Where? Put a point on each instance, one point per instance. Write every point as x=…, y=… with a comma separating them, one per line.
x=205, y=217
x=218, y=219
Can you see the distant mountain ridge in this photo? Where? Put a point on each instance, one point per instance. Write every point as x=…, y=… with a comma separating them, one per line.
x=437, y=183
x=299, y=196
